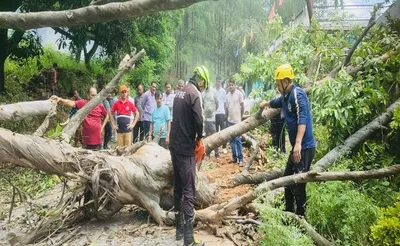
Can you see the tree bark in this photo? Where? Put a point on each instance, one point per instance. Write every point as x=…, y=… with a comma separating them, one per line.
x=18, y=111
x=335, y=154
x=89, y=14
x=141, y=179
x=43, y=127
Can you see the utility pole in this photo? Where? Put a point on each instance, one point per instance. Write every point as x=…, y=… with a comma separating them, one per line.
x=309, y=9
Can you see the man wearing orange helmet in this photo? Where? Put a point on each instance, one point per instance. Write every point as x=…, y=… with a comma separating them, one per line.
x=296, y=109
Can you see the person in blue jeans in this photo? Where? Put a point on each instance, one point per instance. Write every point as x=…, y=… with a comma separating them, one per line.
x=235, y=108
x=296, y=109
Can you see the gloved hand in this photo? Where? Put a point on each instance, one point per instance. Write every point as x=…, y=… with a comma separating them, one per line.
x=199, y=151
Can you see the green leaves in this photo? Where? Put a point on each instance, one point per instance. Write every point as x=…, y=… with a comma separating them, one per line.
x=386, y=231
x=55, y=133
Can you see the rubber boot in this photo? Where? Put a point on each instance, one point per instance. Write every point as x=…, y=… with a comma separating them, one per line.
x=188, y=239
x=179, y=226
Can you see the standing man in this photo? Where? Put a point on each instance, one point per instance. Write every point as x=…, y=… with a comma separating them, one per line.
x=235, y=109
x=210, y=105
x=168, y=97
x=138, y=129
x=220, y=117
x=186, y=134
x=161, y=121
x=92, y=125
x=148, y=105
x=124, y=108
x=52, y=79
x=296, y=109
x=181, y=84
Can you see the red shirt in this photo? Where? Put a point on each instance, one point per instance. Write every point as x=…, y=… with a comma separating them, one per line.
x=123, y=108
x=91, y=132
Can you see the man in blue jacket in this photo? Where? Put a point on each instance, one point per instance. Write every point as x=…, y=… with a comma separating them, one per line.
x=296, y=109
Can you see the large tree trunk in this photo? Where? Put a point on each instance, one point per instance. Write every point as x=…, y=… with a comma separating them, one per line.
x=141, y=179
x=90, y=14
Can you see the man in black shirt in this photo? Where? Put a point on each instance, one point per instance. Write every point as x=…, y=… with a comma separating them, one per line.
x=186, y=133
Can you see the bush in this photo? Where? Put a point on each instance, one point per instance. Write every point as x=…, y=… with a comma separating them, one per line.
x=341, y=213
x=386, y=231
x=276, y=233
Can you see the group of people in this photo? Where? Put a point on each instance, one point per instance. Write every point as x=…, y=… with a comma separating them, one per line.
x=129, y=120
x=182, y=116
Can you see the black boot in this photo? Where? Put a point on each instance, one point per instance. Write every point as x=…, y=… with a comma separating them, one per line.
x=179, y=226
x=188, y=239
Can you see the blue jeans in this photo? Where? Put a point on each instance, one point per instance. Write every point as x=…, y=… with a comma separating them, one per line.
x=236, y=146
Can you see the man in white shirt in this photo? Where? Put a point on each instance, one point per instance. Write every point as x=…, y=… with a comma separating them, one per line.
x=220, y=118
x=168, y=97
x=235, y=109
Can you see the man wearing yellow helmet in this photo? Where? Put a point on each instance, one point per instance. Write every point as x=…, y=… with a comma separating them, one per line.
x=186, y=133
x=296, y=109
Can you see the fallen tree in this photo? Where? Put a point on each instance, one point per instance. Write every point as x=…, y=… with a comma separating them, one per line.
x=141, y=179
x=89, y=14
x=217, y=212
x=21, y=110
x=335, y=154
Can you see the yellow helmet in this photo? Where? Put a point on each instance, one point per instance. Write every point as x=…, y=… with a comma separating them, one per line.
x=284, y=71
x=202, y=71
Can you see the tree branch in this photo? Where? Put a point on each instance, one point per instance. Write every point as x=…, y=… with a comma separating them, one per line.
x=43, y=127
x=18, y=111
x=14, y=41
x=89, y=14
x=210, y=216
x=354, y=70
x=325, y=162
x=316, y=237
x=93, y=49
x=346, y=60
x=63, y=32
x=125, y=65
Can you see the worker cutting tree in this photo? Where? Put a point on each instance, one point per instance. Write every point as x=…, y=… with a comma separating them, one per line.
x=186, y=149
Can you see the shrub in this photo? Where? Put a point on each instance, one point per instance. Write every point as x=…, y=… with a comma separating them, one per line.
x=386, y=231
x=340, y=212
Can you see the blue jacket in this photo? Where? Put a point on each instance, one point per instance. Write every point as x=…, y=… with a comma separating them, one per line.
x=296, y=110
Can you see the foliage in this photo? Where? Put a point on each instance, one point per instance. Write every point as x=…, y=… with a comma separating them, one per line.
x=341, y=213
x=386, y=230
x=374, y=155
x=24, y=178
x=277, y=233
x=359, y=103
x=55, y=132
x=29, y=79
x=395, y=124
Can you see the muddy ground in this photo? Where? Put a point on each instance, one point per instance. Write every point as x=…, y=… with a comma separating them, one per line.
x=132, y=225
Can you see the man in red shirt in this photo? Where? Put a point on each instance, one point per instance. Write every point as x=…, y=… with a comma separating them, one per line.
x=124, y=126
x=92, y=125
